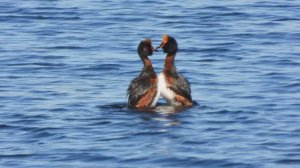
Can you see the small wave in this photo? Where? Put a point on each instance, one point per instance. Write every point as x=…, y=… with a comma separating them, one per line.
x=196, y=142
x=288, y=161
x=288, y=62
x=273, y=74
x=235, y=14
x=106, y=67
x=145, y=133
x=48, y=64
x=45, y=64
x=215, y=50
x=286, y=19
x=5, y=126
x=58, y=109
x=116, y=106
x=97, y=123
x=15, y=155
x=293, y=85
x=220, y=8
x=200, y=162
x=206, y=50
x=228, y=112
x=208, y=60
x=57, y=8
x=65, y=47
x=269, y=23
x=87, y=157
x=43, y=134
x=54, y=57
x=37, y=17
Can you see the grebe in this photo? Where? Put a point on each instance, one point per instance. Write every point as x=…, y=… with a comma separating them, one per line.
x=172, y=86
x=142, y=91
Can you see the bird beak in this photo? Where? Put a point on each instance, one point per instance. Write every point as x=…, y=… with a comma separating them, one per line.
x=152, y=48
x=164, y=42
x=160, y=46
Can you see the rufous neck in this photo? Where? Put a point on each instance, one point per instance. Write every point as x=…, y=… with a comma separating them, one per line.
x=147, y=64
x=169, y=62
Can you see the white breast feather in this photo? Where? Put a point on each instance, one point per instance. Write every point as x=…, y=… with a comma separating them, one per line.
x=165, y=92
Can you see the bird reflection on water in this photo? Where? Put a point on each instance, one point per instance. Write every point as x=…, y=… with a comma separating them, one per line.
x=163, y=113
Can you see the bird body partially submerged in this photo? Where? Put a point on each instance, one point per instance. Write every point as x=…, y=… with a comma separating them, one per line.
x=142, y=91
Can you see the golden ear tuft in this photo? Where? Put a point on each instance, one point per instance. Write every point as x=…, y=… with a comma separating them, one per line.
x=165, y=38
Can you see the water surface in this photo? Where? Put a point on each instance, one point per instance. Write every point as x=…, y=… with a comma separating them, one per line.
x=66, y=65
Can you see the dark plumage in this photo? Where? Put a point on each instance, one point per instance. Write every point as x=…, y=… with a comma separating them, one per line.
x=181, y=86
x=174, y=87
x=142, y=91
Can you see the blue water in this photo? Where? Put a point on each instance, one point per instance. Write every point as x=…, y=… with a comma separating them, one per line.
x=65, y=67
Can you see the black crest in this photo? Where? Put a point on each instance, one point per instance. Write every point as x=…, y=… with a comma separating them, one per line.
x=144, y=49
x=170, y=46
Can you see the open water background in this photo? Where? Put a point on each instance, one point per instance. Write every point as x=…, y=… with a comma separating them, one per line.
x=65, y=66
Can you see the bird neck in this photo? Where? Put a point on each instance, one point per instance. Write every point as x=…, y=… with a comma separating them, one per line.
x=147, y=65
x=169, y=63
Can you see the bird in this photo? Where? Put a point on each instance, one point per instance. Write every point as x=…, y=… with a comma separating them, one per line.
x=142, y=91
x=172, y=86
